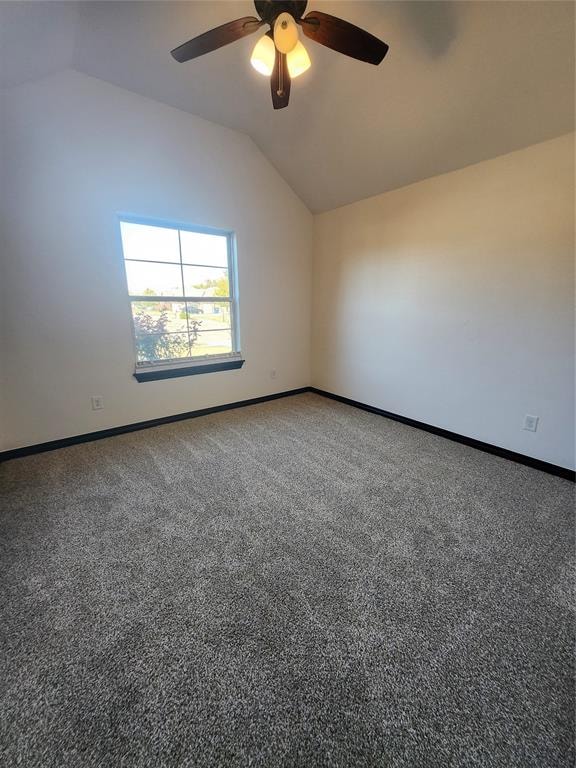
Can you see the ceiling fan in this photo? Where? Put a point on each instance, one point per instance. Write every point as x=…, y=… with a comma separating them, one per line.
x=279, y=54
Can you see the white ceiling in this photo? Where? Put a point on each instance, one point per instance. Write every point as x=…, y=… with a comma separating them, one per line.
x=463, y=81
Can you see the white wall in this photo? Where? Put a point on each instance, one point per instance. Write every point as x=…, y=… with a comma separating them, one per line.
x=78, y=151
x=451, y=301
x=3, y=351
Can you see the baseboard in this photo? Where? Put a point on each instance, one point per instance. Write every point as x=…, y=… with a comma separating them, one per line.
x=28, y=450
x=520, y=458
x=504, y=453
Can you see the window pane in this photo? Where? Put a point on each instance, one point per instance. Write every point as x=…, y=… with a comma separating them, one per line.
x=141, y=241
x=210, y=342
x=159, y=317
x=153, y=279
x=198, y=248
x=164, y=262
x=206, y=281
x=209, y=316
x=162, y=347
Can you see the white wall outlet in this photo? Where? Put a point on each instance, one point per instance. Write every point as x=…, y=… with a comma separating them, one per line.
x=531, y=423
x=273, y=373
x=97, y=402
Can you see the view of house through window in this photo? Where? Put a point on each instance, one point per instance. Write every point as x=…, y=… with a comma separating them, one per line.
x=181, y=288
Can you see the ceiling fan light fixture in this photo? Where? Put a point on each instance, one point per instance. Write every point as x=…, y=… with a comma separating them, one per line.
x=285, y=33
x=297, y=60
x=263, y=56
x=279, y=54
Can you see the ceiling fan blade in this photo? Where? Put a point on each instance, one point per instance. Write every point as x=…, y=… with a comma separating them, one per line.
x=343, y=37
x=280, y=82
x=216, y=38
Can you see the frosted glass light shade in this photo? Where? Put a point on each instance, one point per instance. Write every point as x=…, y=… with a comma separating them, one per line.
x=285, y=33
x=298, y=60
x=263, y=56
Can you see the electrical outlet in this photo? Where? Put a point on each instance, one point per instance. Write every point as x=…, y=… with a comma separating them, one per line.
x=531, y=423
x=273, y=373
x=97, y=402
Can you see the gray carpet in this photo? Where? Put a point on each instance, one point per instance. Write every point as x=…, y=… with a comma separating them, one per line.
x=297, y=583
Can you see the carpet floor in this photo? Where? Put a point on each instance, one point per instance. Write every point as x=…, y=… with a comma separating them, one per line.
x=296, y=583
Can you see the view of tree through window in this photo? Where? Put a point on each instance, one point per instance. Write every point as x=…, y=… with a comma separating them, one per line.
x=179, y=282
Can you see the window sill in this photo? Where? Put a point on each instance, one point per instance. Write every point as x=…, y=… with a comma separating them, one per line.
x=188, y=370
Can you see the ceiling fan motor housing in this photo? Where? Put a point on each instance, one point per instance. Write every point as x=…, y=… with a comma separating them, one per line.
x=269, y=10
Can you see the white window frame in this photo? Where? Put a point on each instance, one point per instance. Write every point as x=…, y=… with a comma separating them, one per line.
x=200, y=361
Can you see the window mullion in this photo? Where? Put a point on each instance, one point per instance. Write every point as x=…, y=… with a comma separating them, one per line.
x=184, y=294
x=207, y=299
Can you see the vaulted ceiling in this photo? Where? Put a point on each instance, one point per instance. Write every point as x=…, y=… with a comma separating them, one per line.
x=463, y=81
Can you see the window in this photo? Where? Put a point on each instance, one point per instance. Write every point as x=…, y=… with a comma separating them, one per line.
x=182, y=289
